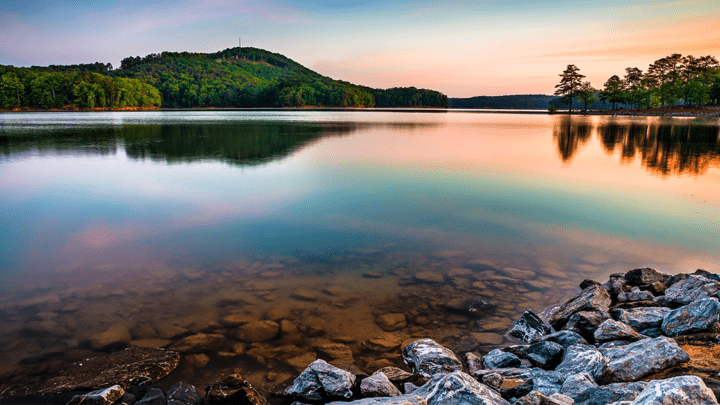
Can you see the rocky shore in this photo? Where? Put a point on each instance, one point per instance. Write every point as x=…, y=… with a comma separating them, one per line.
x=642, y=337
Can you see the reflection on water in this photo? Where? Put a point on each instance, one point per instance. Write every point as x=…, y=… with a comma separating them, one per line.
x=665, y=147
x=163, y=226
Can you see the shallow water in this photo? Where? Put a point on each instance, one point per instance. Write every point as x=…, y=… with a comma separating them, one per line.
x=164, y=223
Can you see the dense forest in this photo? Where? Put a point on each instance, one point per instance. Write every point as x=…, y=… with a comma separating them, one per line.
x=235, y=77
x=669, y=81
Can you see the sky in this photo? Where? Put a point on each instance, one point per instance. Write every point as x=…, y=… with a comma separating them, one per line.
x=461, y=48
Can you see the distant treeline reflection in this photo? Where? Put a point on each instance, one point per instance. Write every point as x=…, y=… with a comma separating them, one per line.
x=664, y=148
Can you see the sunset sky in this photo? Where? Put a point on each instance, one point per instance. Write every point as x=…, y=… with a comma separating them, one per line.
x=462, y=48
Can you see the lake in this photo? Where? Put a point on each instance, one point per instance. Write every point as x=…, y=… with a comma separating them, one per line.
x=126, y=229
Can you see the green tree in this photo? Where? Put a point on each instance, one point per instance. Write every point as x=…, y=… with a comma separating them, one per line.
x=586, y=94
x=569, y=86
x=613, y=92
x=633, y=86
x=11, y=91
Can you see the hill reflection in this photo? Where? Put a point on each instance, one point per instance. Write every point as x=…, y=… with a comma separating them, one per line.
x=664, y=148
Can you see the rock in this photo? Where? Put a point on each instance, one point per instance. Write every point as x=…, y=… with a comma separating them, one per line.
x=565, y=338
x=559, y=399
x=546, y=382
x=391, y=322
x=233, y=390
x=579, y=359
x=606, y=394
x=684, y=390
x=383, y=343
x=641, y=318
x=425, y=357
x=458, y=388
x=652, y=332
x=197, y=360
x=615, y=286
x=474, y=363
x=614, y=330
x=605, y=347
x=321, y=381
x=459, y=272
x=335, y=351
x=519, y=274
x=593, y=298
x=644, y=276
x=493, y=380
x=168, y=330
x=487, y=338
x=585, y=323
x=587, y=283
x=300, y=363
x=408, y=399
x=429, y=277
x=201, y=342
x=117, y=334
x=132, y=366
x=151, y=343
x=100, y=397
x=233, y=320
x=410, y=388
x=538, y=398
x=700, y=316
x=518, y=350
x=305, y=294
x=576, y=384
x=635, y=294
x=183, y=394
x=258, y=331
x=372, y=274
x=500, y=359
x=693, y=288
x=126, y=399
x=645, y=356
x=545, y=355
x=529, y=327
x=397, y=375
x=378, y=385
x=154, y=396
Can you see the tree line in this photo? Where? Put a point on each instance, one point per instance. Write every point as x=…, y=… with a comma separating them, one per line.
x=45, y=88
x=672, y=80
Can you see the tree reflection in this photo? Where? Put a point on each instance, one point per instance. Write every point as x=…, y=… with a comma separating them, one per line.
x=665, y=148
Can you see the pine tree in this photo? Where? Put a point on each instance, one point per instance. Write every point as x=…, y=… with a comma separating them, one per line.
x=570, y=84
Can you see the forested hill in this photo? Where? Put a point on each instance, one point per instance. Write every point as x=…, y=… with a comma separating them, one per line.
x=234, y=77
x=516, y=102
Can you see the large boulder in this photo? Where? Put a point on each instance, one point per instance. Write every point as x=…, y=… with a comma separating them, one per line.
x=576, y=384
x=638, y=277
x=579, y=359
x=641, y=318
x=565, y=338
x=692, y=288
x=613, y=330
x=427, y=358
x=321, y=381
x=592, y=298
x=378, y=385
x=585, y=323
x=458, y=388
x=684, y=390
x=546, y=382
x=545, y=355
x=607, y=394
x=410, y=399
x=700, y=316
x=529, y=327
x=500, y=359
x=635, y=360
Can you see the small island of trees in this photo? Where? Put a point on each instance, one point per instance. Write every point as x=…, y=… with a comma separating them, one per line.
x=673, y=80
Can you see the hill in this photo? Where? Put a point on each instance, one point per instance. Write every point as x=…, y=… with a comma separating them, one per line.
x=517, y=102
x=234, y=77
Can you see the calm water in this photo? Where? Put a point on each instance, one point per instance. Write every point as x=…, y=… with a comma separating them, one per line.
x=164, y=223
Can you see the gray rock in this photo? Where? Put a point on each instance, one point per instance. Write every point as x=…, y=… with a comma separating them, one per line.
x=427, y=358
x=529, y=327
x=493, y=380
x=559, y=399
x=546, y=382
x=700, y=316
x=378, y=385
x=641, y=318
x=183, y=394
x=593, y=298
x=410, y=388
x=154, y=396
x=606, y=394
x=576, y=384
x=616, y=285
x=645, y=356
x=545, y=355
x=538, y=398
x=474, y=363
x=408, y=399
x=397, y=375
x=500, y=359
x=605, y=347
x=579, y=359
x=585, y=323
x=458, y=388
x=126, y=399
x=693, y=288
x=565, y=338
x=614, y=330
x=635, y=294
x=100, y=397
x=321, y=381
x=684, y=390
x=652, y=332
x=644, y=276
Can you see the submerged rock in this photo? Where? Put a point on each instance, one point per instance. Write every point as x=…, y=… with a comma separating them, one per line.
x=100, y=397
x=427, y=358
x=699, y=316
x=458, y=388
x=593, y=298
x=391, y=322
x=529, y=327
x=635, y=360
x=685, y=390
x=118, y=334
x=321, y=381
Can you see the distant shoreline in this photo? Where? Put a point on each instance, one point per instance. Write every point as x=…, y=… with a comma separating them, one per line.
x=655, y=112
